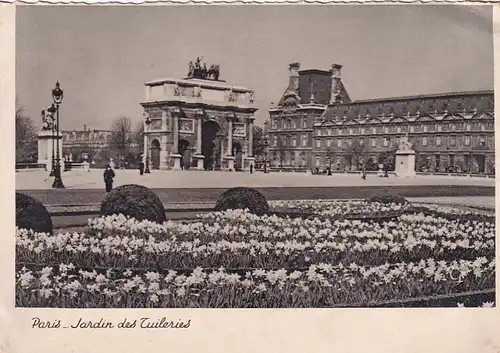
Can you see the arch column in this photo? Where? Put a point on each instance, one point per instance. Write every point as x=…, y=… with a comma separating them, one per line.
x=229, y=157
x=164, y=142
x=249, y=159
x=175, y=131
x=199, y=156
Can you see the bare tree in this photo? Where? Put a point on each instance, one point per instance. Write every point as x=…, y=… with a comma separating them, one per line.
x=281, y=150
x=258, y=143
x=26, y=138
x=139, y=137
x=354, y=152
x=121, y=137
x=330, y=155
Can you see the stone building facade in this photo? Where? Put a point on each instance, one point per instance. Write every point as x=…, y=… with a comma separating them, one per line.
x=449, y=132
x=195, y=123
x=86, y=138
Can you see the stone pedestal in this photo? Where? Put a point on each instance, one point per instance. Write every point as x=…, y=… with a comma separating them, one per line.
x=230, y=163
x=45, y=138
x=177, y=161
x=405, y=164
x=200, y=159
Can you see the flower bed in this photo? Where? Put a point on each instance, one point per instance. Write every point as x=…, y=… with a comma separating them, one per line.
x=237, y=259
x=338, y=209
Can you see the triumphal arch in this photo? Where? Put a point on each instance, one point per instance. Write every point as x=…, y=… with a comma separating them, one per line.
x=199, y=122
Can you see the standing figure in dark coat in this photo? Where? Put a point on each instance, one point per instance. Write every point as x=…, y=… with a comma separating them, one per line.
x=251, y=168
x=109, y=174
x=363, y=173
x=141, y=167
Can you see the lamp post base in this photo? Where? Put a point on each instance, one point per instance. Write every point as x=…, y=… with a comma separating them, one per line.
x=58, y=184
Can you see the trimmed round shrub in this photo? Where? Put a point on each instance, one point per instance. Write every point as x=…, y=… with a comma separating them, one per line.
x=32, y=214
x=387, y=199
x=135, y=201
x=241, y=198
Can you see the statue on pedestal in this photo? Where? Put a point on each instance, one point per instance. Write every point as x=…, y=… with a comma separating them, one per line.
x=213, y=72
x=197, y=70
x=404, y=144
x=191, y=69
x=47, y=121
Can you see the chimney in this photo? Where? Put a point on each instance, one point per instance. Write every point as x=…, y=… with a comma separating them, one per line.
x=336, y=75
x=294, y=77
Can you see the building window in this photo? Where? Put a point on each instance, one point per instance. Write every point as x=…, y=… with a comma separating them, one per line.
x=329, y=143
x=438, y=140
x=329, y=132
x=293, y=159
x=318, y=143
x=398, y=129
x=467, y=141
x=453, y=127
x=318, y=132
x=339, y=143
x=349, y=142
x=374, y=142
x=452, y=141
x=340, y=131
x=303, y=159
x=294, y=141
x=412, y=128
x=426, y=128
x=362, y=130
x=374, y=130
x=424, y=141
x=386, y=129
x=304, y=122
x=294, y=124
x=482, y=126
x=304, y=140
x=467, y=127
x=350, y=131
x=386, y=142
x=440, y=128
x=317, y=161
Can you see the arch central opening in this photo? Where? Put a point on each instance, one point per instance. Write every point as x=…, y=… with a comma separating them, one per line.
x=210, y=145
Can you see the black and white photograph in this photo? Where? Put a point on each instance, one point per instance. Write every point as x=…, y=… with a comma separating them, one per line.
x=254, y=156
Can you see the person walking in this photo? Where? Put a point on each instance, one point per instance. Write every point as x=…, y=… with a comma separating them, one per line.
x=141, y=167
x=109, y=174
x=251, y=168
x=363, y=173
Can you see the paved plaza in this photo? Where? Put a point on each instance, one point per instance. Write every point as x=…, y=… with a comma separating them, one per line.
x=93, y=179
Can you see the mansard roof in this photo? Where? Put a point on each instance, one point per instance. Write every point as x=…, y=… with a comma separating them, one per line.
x=412, y=107
x=317, y=82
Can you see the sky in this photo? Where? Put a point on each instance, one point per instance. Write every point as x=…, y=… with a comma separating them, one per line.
x=102, y=55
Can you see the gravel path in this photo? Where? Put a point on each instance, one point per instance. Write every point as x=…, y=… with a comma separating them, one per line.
x=172, y=196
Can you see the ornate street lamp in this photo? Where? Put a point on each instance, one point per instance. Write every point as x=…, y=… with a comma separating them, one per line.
x=148, y=123
x=52, y=110
x=57, y=97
